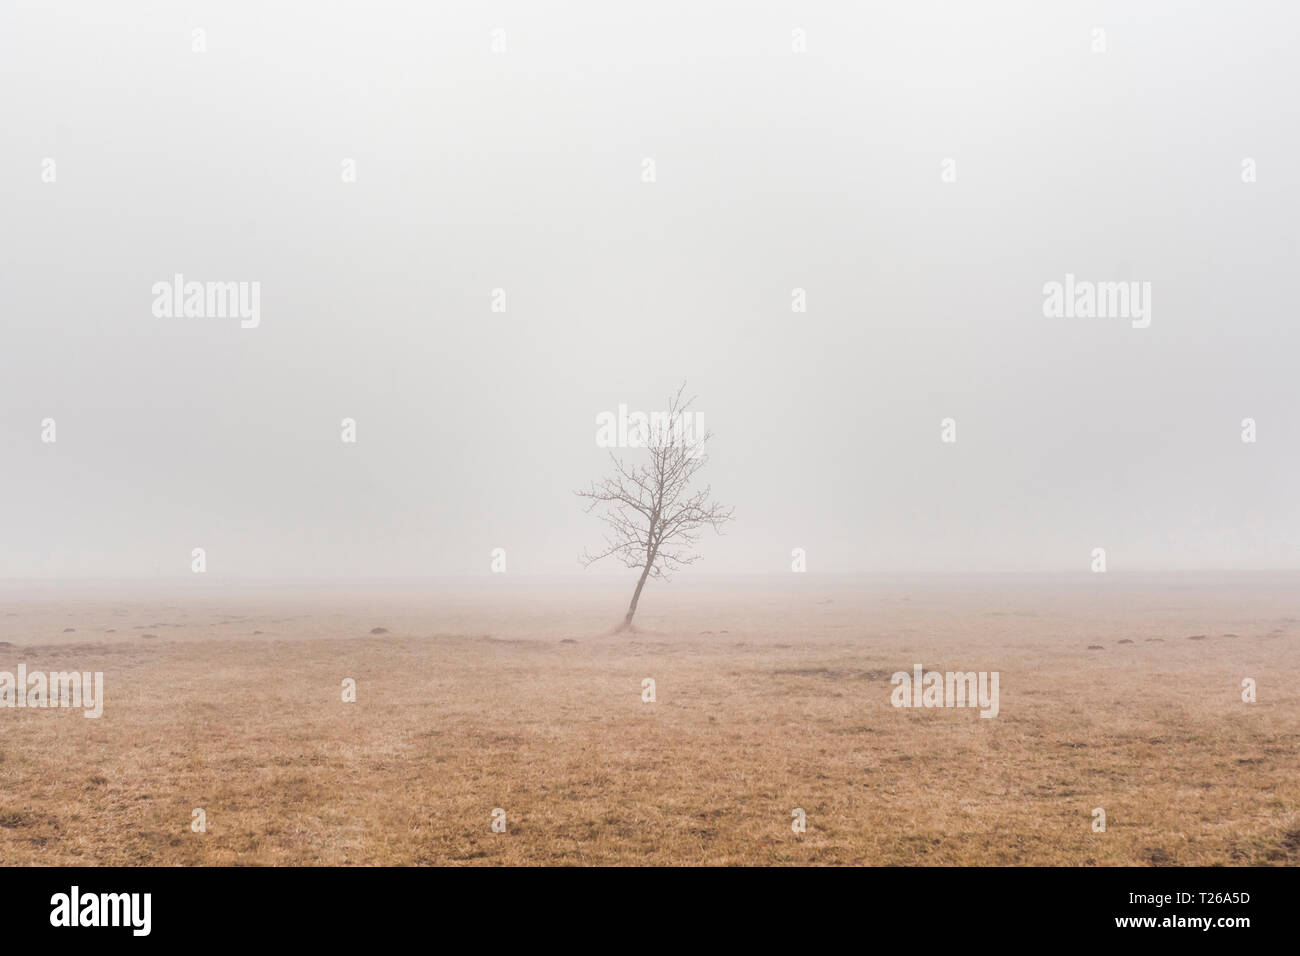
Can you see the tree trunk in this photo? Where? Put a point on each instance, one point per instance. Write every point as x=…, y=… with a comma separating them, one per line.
x=636, y=596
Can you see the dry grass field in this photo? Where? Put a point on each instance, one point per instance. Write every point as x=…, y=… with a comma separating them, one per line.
x=772, y=694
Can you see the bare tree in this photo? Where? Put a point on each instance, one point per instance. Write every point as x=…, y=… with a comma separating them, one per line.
x=652, y=514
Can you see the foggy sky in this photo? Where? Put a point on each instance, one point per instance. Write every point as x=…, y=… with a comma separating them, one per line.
x=522, y=170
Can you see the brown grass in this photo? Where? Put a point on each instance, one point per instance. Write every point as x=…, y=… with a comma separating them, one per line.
x=781, y=702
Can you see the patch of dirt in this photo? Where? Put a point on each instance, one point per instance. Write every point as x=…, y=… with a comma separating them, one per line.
x=834, y=673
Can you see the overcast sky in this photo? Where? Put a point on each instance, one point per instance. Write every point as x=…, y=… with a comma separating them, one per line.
x=524, y=170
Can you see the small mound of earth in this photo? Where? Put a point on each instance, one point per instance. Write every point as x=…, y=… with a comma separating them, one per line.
x=568, y=640
x=1160, y=639
x=1124, y=641
x=379, y=630
x=1096, y=647
x=1196, y=637
x=69, y=630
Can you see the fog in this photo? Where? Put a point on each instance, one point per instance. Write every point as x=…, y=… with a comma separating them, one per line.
x=523, y=169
